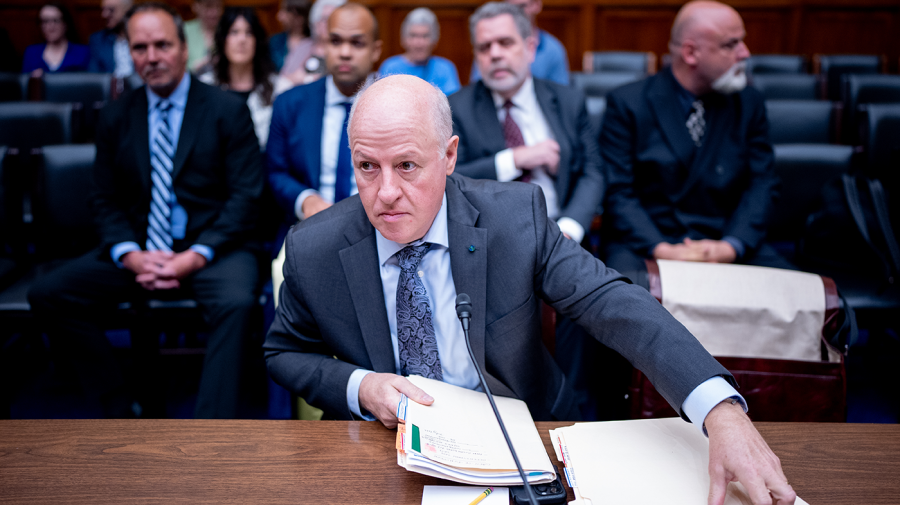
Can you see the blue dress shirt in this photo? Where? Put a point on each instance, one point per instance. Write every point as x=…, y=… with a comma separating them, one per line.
x=438, y=71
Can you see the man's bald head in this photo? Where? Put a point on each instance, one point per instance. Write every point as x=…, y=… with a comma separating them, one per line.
x=400, y=93
x=698, y=19
x=359, y=10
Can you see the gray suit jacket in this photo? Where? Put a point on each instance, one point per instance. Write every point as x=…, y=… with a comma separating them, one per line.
x=579, y=182
x=332, y=303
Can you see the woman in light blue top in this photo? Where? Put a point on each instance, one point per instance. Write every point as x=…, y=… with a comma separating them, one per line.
x=418, y=36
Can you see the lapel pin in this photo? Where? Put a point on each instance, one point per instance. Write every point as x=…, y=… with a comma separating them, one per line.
x=471, y=248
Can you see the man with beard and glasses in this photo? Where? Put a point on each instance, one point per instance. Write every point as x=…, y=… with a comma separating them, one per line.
x=687, y=155
x=176, y=185
x=512, y=126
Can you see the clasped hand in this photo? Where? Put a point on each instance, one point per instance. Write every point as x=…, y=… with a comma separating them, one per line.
x=162, y=270
x=708, y=251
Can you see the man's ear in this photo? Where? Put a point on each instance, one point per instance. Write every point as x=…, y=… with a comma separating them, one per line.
x=450, y=154
x=689, y=52
x=376, y=51
x=531, y=44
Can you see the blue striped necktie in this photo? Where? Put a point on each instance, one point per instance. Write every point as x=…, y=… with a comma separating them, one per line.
x=162, y=150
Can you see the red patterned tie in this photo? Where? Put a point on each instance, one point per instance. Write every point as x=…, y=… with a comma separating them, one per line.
x=513, y=136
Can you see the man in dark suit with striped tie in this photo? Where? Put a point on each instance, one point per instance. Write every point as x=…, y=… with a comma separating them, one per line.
x=177, y=182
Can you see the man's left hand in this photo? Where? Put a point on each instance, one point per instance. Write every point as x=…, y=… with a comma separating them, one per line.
x=172, y=271
x=737, y=452
x=714, y=251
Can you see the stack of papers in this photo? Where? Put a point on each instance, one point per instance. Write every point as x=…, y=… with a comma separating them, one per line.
x=457, y=438
x=640, y=462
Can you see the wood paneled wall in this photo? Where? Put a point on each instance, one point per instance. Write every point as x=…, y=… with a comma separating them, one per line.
x=773, y=26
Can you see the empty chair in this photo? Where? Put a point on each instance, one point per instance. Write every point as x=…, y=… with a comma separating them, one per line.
x=833, y=67
x=13, y=86
x=598, y=85
x=596, y=107
x=800, y=121
x=80, y=87
x=882, y=139
x=866, y=89
x=619, y=61
x=804, y=169
x=62, y=211
x=35, y=124
x=776, y=64
x=786, y=86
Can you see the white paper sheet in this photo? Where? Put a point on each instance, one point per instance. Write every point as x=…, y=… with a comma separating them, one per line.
x=463, y=495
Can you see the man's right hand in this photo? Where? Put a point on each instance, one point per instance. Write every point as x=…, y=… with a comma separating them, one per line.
x=543, y=154
x=312, y=205
x=686, y=251
x=379, y=394
x=149, y=269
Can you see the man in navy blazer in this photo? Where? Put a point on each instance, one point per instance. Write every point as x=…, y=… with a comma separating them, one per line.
x=307, y=139
x=105, y=43
x=687, y=155
x=349, y=278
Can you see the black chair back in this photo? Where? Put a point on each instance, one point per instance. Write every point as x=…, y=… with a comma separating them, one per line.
x=833, y=67
x=35, y=124
x=804, y=169
x=599, y=84
x=619, y=61
x=776, y=64
x=786, y=86
x=13, y=86
x=882, y=139
x=62, y=201
x=800, y=121
x=81, y=87
x=858, y=90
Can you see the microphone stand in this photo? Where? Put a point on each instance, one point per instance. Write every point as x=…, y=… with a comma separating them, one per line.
x=463, y=311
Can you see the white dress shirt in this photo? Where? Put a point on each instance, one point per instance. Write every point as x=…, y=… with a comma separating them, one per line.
x=332, y=128
x=456, y=365
x=527, y=114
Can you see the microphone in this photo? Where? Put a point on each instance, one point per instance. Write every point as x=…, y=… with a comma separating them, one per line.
x=464, y=312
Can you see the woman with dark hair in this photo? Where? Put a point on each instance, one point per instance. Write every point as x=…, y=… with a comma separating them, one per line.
x=242, y=65
x=59, y=53
x=294, y=17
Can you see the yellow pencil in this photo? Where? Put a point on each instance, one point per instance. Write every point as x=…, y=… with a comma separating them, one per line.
x=482, y=496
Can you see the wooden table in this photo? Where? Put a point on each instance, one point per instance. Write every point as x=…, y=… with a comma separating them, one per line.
x=327, y=462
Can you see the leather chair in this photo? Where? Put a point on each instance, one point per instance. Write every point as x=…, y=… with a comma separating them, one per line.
x=832, y=67
x=801, y=121
x=82, y=87
x=882, y=140
x=804, y=169
x=13, y=86
x=786, y=86
x=619, y=61
x=599, y=84
x=776, y=64
x=859, y=90
x=35, y=124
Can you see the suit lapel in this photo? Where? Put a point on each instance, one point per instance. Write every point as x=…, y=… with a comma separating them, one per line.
x=666, y=107
x=314, y=128
x=486, y=115
x=139, y=118
x=361, y=269
x=190, y=125
x=549, y=103
x=468, y=262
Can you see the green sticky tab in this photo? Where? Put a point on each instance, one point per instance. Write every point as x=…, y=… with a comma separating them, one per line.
x=416, y=443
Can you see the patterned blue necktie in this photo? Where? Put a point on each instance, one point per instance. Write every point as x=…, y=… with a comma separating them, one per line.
x=345, y=164
x=415, y=330
x=162, y=149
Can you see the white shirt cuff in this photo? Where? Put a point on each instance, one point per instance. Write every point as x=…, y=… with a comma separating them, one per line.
x=506, y=166
x=571, y=228
x=298, y=203
x=706, y=396
x=353, y=393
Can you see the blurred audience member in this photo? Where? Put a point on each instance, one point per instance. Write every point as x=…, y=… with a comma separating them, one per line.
x=309, y=164
x=200, y=33
x=419, y=34
x=687, y=154
x=294, y=18
x=176, y=188
x=304, y=65
x=242, y=66
x=109, y=48
x=550, y=59
x=59, y=53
